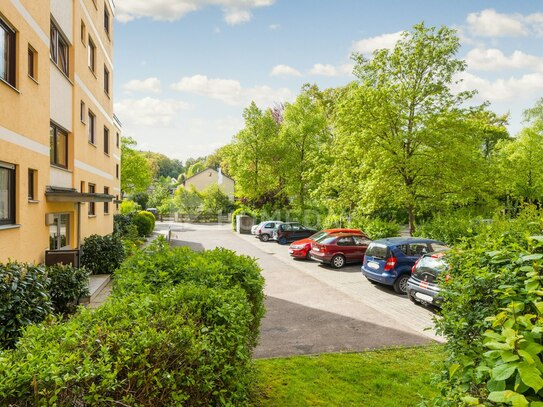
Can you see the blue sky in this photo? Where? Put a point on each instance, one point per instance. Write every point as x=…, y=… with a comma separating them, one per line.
x=186, y=69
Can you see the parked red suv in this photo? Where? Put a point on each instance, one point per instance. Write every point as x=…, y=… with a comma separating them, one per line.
x=338, y=250
x=300, y=248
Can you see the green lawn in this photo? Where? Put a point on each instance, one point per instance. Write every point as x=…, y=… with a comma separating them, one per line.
x=391, y=377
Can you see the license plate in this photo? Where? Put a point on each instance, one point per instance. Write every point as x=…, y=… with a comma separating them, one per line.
x=423, y=284
x=373, y=265
x=424, y=297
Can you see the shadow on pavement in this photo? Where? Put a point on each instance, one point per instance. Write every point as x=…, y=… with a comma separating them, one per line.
x=290, y=329
x=182, y=243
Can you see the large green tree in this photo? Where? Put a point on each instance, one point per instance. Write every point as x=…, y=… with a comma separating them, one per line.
x=136, y=175
x=408, y=125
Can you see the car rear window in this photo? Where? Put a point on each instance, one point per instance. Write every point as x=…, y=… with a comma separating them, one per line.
x=429, y=267
x=327, y=239
x=319, y=236
x=377, y=250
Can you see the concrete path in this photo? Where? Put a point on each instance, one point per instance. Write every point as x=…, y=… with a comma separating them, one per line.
x=313, y=308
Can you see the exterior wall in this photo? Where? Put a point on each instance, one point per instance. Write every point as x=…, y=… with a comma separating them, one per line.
x=208, y=177
x=27, y=109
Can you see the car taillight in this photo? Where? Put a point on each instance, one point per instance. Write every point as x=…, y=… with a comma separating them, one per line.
x=322, y=248
x=414, y=266
x=391, y=262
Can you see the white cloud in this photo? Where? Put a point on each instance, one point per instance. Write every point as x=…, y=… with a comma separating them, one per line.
x=493, y=59
x=368, y=45
x=148, y=111
x=274, y=26
x=149, y=85
x=331, y=70
x=235, y=11
x=511, y=89
x=490, y=23
x=231, y=92
x=284, y=70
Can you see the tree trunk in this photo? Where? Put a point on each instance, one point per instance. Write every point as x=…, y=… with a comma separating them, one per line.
x=411, y=214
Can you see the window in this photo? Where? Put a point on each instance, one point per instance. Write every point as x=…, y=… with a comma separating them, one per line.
x=92, y=127
x=32, y=63
x=83, y=112
x=59, y=49
x=106, y=140
x=345, y=241
x=106, y=20
x=106, y=204
x=117, y=202
x=59, y=146
x=92, y=190
x=32, y=180
x=83, y=33
x=7, y=194
x=106, y=80
x=117, y=138
x=59, y=228
x=7, y=53
x=117, y=171
x=92, y=55
x=82, y=187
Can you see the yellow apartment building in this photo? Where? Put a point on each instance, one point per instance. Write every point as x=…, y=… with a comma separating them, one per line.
x=59, y=138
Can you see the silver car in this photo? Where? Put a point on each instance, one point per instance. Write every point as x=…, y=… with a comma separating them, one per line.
x=265, y=229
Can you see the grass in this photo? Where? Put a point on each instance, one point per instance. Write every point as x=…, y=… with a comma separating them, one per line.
x=391, y=377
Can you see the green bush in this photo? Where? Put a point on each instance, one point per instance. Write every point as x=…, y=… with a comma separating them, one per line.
x=159, y=266
x=452, y=227
x=375, y=228
x=150, y=216
x=24, y=299
x=128, y=207
x=492, y=316
x=143, y=223
x=102, y=254
x=185, y=345
x=66, y=286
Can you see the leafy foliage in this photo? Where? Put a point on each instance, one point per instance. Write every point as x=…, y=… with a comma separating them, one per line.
x=135, y=169
x=160, y=266
x=492, y=316
x=215, y=200
x=24, y=299
x=143, y=223
x=102, y=254
x=129, y=207
x=66, y=286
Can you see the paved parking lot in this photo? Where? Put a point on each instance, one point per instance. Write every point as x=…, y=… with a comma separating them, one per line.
x=312, y=308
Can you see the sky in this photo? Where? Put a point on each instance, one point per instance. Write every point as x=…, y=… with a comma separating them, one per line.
x=186, y=69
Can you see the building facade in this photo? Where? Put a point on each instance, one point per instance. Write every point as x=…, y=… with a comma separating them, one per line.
x=59, y=139
x=211, y=176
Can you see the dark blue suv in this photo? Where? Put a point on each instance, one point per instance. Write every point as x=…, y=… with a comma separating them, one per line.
x=389, y=261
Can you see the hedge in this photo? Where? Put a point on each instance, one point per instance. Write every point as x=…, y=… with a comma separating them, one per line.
x=186, y=345
x=102, y=254
x=159, y=266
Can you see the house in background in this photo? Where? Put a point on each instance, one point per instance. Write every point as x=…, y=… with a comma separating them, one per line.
x=211, y=176
x=59, y=139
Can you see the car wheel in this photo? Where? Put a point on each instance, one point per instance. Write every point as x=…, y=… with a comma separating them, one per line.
x=282, y=240
x=338, y=261
x=400, y=285
x=265, y=237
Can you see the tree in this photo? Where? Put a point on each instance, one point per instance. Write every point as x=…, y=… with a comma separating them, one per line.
x=136, y=174
x=409, y=125
x=160, y=192
x=215, y=200
x=188, y=201
x=303, y=134
x=253, y=156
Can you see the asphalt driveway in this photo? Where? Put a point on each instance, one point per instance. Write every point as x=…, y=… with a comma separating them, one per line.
x=312, y=308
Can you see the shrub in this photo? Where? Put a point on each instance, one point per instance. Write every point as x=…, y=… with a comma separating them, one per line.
x=128, y=207
x=66, y=286
x=143, y=223
x=24, y=299
x=450, y=228
x=492, y=316
x=376, y=228
x=102, y=254
x=185, y=345
x=150, y=216
x=159, y=266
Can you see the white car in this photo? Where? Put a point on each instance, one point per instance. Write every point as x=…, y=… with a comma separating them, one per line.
x=254, y=228
x=265, y=230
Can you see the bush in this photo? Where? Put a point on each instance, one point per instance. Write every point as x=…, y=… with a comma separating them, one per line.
x=102, y=254
x=24, y=299
x=128, y=207
x=375, y=228
x=185, y=345
x=143, y=223
x=150, y=216
x=159, y=266
x=66, y=286
x=451, y=228
x=491, y=316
